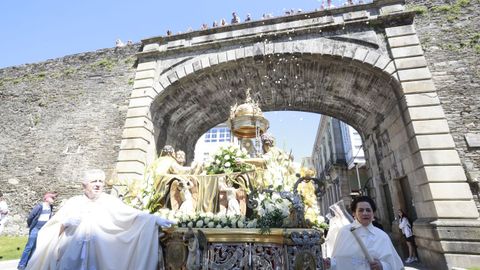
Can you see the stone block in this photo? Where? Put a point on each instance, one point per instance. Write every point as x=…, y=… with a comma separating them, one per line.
x=403, y=30
x=230, y=55
x=151, y=47
x=456, y=209
x=424, y=113
x=446, y=191
x=349, y=53
x=463, y=261
x=414, y=74
x=372, y=57
x=213, y=59
x=140, y=102
x=382, y=62
x=435, y=157
x=143, y=83
x=420, y=127
x=137, y=143
x=433, y=141
x=145, y=74
x=409, y=51
x=147, y=65
x=132, y=133
x=410, y=62
x=391, y=9
x=454, y=173
x=424, y=99
x=164, y=82
x=197, y=65
x=360, y=54
x=473, y=140
x=143, y=92
x=355, y=15
x=188, y=68
x=136, y=122
x=403, y=41
x=132, y=155
x=180, y=71
x=418, y=86
x=138, y=112
x=258, y=49
x=205, y=62
x=239, y=53
x=327, y=48
x=390, y=68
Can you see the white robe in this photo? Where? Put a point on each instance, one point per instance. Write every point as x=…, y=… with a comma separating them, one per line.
x=100, y=235
x=347, y=254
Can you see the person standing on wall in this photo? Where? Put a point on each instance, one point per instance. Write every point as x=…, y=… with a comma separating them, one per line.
x=406, y=227
x=39, y=215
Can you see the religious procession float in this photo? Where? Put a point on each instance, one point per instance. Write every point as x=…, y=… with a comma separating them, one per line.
x=249, y=207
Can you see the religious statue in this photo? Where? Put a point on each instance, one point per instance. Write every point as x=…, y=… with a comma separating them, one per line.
x=167, y=174
x=276, y=167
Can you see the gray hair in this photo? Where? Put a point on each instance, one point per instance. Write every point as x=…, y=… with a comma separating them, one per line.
x=94, y=174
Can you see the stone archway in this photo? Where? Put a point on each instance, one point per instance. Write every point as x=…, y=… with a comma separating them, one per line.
x=363, y=65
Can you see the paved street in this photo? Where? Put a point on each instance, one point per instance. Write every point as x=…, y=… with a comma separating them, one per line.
x=12, y=265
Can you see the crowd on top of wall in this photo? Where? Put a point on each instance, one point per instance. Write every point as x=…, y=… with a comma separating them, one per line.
x=325, y=4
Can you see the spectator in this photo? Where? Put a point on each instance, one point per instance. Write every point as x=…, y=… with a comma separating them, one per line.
x=223, y=22
x=38, y=217
x=98, y=231
x=235, y=18
x=3, y=212
x=406, y=227
x=119, y=43
x=248, y=18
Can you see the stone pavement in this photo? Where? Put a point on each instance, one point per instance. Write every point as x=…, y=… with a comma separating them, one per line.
x=12, y=265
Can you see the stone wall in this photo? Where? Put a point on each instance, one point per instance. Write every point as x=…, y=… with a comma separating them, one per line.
x=449, y=31
x=58, y=118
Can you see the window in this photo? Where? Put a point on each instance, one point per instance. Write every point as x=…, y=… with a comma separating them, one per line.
x=218, y=135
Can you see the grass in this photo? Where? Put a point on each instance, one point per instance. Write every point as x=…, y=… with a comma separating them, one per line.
x=11, y=247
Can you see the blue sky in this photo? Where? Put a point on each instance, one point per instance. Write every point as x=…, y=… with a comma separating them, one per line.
x=33, y=31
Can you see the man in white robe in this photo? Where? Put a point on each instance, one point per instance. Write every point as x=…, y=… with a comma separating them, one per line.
x=347, y=253
x=97, y=231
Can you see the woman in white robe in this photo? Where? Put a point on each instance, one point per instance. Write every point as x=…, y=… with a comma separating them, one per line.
x=347, y=252
x=97, y=231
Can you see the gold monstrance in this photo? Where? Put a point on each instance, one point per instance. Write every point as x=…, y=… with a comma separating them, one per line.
x=247, y=121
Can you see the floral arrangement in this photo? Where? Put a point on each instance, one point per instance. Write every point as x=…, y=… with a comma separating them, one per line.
x=272, y=211
x=208, y=220
x=225, y=160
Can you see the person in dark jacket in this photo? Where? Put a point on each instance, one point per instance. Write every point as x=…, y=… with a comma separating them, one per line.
x=39, y=215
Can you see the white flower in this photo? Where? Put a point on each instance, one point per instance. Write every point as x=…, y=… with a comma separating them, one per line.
x=199, y=224
x=190, y=224
x=206, y=220
x=219, y=226
x=227, y=164
x=227, y=157
x=211, y=225
x=209, y=215
x=217, y=161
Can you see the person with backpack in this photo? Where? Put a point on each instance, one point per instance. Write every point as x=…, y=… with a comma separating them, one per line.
x=39, y=215
x=406, y=227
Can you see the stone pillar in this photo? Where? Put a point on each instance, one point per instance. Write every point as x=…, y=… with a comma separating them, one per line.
x=448, y=230
x=137, y=148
